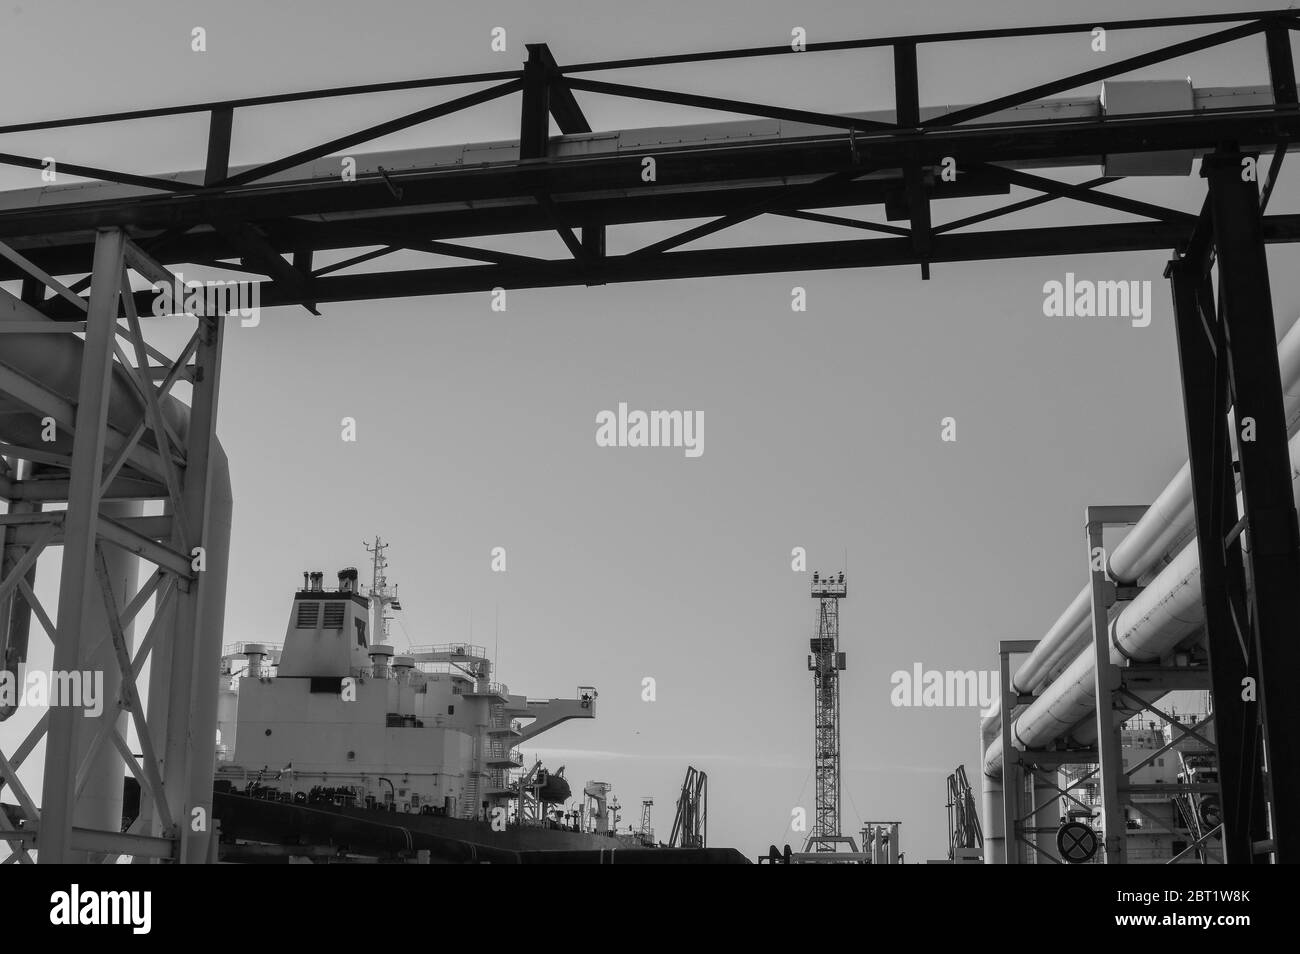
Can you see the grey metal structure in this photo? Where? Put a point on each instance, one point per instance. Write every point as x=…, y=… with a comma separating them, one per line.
x=1135, y=686
x=93, y=424
x=691, y=823
x=121, y=438
x=1123, y=686
x=965, y=837
x=825, y=661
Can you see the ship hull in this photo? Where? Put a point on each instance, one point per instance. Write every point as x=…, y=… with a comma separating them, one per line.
x=373, y=832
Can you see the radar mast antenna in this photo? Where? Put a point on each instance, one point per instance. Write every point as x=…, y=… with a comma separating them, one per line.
x=382, y=596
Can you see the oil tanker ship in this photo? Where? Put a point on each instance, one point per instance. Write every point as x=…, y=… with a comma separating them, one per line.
x=332, y=746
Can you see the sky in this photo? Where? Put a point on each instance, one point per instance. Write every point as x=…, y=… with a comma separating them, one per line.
x=475, y=428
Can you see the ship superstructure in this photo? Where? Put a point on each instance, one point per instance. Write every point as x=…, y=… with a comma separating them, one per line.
x=335, y=709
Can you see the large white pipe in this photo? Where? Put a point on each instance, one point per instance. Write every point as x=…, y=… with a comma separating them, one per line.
x=991, y=810
x=1163, y=615
x=1164, y=530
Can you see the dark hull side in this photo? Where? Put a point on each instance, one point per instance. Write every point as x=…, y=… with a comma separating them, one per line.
x=448, y=840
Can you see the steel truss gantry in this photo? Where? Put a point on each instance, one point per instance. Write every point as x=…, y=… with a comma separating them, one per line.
x=1025, y=774
x=250, y=219
x=1251, y=596
x=105, y=455
x=1228, y=359
x=272, y=219
x=1136, y=687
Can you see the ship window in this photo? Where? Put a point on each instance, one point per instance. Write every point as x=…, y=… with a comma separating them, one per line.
x=307, y=615
x=333, y=616
x=451, y=710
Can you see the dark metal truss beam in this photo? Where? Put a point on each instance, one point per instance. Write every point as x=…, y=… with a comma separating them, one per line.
x=679, y=170
x=748, y=260
x=568, y=194
x=424, y=231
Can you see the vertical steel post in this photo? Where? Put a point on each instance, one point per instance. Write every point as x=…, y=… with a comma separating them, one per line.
x=1106, y=682
x=77, y=582
x=1012, y=782
x=219, y=128
x=1047, y=815
x=207, y=669
x=1273, y=536
x=1281, y=64
x=160, y=670
x=1205, y=398
x=907, y=105
x=535, y=113
x=181, y=746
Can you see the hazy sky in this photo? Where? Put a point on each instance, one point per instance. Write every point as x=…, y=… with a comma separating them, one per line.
x=476, y=429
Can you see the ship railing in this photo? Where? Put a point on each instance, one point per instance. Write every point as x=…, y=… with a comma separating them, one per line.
x=439, y=668
x=237, y=649
x=451, y=649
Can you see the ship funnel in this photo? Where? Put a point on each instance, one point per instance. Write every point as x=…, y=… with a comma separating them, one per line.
x=380, y=654
x=348, y=580
x=306, y=580
x=317, y=581
x=402, y=665
x=256, y=652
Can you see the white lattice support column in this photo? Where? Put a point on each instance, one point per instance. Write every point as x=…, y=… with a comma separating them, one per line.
x=190, y=744
x=77, y=586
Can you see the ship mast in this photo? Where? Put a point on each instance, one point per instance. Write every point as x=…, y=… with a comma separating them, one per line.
x=381, y=596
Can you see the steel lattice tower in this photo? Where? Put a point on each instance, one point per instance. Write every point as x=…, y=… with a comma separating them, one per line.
x=826, y=662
